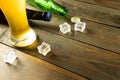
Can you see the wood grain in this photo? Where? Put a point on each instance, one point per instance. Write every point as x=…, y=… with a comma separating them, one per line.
x=93, y=54
x=91, y=12
x=115, y=4
x=31, y=68
x=96, y=34
x=83, y=59
x=88, y=61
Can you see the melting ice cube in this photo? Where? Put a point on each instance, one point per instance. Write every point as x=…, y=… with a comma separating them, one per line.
x=80, y=26
x=10, y=57
x=44, y=48
x=65, y=28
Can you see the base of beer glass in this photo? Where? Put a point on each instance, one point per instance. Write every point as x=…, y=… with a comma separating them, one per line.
x=27, y=39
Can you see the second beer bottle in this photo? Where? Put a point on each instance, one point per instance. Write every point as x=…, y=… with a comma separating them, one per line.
x=31, y=14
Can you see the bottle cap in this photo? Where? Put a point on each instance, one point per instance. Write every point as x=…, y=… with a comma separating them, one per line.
x=48, y=16
x=75, y=19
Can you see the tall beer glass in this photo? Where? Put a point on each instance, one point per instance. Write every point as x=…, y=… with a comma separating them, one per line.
x=22, y=34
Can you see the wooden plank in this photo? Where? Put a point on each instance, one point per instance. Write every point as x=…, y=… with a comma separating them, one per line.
x=31, y=68
x=3, y=32
x=88, y=61
x=95, y=13
x=96, y=34
x=99, y=35
x=115, y=4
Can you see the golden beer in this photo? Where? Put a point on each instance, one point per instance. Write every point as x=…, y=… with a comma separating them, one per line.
x=22, y=34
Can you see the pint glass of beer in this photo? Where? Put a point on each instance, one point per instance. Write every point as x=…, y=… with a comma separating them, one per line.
x=22, y=34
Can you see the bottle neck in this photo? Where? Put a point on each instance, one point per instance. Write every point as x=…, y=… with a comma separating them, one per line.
x=58, y=8
x=37, y=15
x=49, y=5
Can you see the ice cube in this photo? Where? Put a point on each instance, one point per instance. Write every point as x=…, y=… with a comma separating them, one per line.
x=80, y=26
x=10, y=57
x=65, y=28
x=44, y=48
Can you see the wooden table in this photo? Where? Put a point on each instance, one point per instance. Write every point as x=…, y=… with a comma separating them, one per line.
x=91, y=55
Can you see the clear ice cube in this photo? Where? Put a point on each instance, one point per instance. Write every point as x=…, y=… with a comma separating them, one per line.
x=10, y=57
x=65, y=28
x=44, y=48
x=80, y=26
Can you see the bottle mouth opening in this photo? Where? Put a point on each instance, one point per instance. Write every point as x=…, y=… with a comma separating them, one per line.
x=48, y=16
x=64, y=12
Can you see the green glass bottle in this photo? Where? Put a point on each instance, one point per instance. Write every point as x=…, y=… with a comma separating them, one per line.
x=49, y=5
